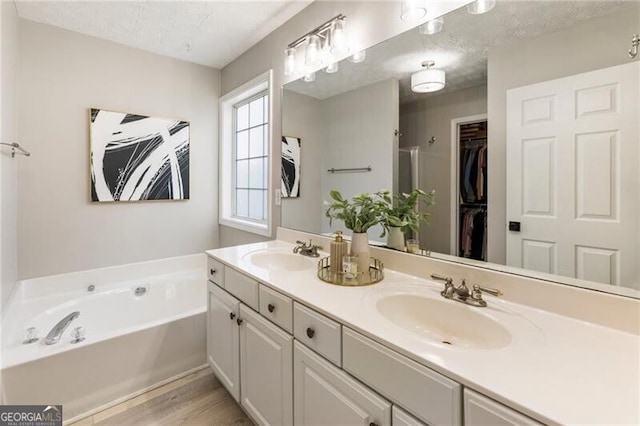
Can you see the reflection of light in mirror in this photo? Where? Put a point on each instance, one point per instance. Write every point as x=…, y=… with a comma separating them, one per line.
x=432, y=27
x=309, y=78
x=480, y=6
x=413, y=10
x=429, y=80
x=331, y=68
x=358, y=57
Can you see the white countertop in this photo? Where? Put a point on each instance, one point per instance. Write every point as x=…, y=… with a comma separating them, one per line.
x=556, y=369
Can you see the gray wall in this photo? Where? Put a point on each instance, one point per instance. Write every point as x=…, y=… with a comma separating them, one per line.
x=599, y=43
x=421, y=120
x=302, y=118
x=63, y=74
x=9, y=37
x=368, y=23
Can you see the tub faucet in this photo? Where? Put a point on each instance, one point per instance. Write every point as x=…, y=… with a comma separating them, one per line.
x=56, y=332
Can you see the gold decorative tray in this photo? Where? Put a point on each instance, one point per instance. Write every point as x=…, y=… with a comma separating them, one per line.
x=374, y=275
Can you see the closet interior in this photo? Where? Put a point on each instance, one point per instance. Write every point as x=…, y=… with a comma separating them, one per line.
x=472, y=190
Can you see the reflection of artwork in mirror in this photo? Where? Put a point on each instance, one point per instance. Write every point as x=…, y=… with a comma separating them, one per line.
x=290, y=166
x=549, y=187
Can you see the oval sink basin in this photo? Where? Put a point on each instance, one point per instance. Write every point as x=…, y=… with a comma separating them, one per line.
x=281, y=261
x=445, y=321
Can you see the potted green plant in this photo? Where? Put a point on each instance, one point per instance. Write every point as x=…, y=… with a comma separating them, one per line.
x=358, y=214
x=402, y=213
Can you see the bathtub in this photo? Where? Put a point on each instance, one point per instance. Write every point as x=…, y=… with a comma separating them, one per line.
x=132, y=341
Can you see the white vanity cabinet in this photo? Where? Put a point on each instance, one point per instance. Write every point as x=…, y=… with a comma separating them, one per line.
x=326, y=395
x=266, y=370
x=223, y=338
x=480, y=411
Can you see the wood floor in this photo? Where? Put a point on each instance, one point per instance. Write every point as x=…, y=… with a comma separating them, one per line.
x=197, y=399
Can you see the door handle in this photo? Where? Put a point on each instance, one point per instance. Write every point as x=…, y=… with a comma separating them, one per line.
x=514, y=226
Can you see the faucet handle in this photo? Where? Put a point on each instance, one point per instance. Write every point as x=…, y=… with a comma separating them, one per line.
x=447, y=280
x=491, y=291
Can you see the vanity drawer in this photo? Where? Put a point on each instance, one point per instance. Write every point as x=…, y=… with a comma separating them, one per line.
x=399, y=417
x=276, y=307
x=215, y=271
x=241, y=286
x=480, y=410
x=428, y=395
x=317, y=332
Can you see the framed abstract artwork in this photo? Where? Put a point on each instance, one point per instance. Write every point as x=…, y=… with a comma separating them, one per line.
x=135, y=157
x=290, y=167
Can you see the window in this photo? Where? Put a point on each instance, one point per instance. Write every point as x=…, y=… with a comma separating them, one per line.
x=245, y=147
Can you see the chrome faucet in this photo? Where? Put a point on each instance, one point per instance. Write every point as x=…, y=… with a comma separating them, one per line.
x=310, y=250
x=56, y=332
x=462, y=293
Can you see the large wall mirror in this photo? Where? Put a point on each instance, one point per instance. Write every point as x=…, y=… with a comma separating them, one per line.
x=531, y=146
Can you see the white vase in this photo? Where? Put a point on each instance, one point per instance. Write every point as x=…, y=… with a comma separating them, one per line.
x=395, y=238
x=360, y=247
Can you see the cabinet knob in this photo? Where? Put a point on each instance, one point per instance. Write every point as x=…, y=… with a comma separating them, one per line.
x=239, y=321
x=232, y=315
x=212, y=271
x=310, y=332
x=271, y=308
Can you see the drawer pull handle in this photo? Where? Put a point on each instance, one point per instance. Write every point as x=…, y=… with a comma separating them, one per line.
x=232, y=315
x=213, y=271
x=372, y=424
x=271, y=308
x=239, y=321
x=310, y=332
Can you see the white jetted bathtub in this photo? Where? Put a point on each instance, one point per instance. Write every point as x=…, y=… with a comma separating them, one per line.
x=143, y=323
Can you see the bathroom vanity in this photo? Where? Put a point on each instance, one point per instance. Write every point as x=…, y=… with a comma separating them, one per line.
x=292, y=349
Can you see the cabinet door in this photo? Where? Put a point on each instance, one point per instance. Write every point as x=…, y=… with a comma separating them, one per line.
x=326, y=395
x=266, y=367
x=223, y=338
x=482, y=411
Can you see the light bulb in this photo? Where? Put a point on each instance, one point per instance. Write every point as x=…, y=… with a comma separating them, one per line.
x=290, y=61
x=331, y=68
x=413, y=10
x=339, y=43
x=309, y=78
x=433, y=26
x=313, y=57
x=358, y=57
x=479, y=7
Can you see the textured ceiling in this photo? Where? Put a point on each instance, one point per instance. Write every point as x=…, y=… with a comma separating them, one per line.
x=460, y=49
x=211, y=33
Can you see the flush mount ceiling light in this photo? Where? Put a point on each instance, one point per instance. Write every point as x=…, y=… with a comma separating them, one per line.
x=325, y=44
x=479, y=7
x=428, y=80
x=413, y=10
x=432, y=27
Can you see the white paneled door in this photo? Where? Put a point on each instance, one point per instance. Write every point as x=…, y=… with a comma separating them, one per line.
x=572, y=176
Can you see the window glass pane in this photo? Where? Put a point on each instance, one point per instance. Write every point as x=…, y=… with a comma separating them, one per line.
x=266, y=139
x=264, y=205
x=265, y=170
x=242, y=117
x=256, y=112
x=256, y=173
x=242, y=174
x=242, y=203
x=242, y=145
x=256, y=202
x=256, y=144
x=266, y=108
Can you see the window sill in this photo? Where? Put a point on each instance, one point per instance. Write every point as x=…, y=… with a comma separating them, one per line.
x=247, y=226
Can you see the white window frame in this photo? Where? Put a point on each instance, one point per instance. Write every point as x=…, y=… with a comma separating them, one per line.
x=226, y=156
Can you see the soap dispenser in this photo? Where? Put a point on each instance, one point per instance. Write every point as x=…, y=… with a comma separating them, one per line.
x=337, y=251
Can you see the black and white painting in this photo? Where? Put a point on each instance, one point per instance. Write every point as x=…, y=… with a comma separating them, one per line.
x=135, y=157
x=290, y=166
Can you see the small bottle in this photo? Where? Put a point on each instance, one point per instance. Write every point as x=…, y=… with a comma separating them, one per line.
x=350, y=266
x=337, y=251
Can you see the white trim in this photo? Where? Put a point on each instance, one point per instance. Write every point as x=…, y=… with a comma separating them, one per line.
x=455, y=176
x=225, y=211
